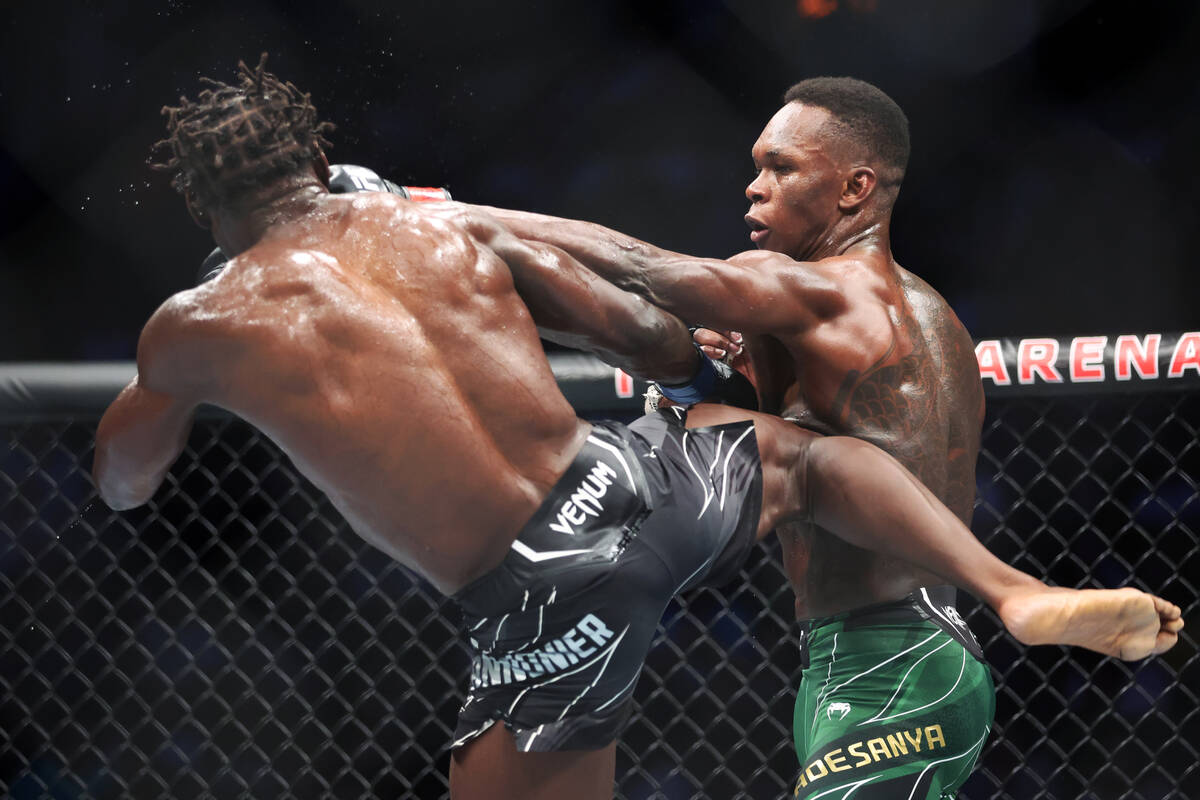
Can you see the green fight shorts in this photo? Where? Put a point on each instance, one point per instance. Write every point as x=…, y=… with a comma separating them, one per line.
x=895, y=702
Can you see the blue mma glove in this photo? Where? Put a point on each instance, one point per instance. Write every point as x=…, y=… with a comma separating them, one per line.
x=714, y=382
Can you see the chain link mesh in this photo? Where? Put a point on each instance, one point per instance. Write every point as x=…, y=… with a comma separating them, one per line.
x=234, y=639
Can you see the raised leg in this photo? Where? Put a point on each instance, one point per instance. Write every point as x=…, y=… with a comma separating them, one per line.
x=864, y=496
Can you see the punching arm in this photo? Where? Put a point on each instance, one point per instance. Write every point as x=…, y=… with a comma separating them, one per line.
x=575, y=307
x=752, y=292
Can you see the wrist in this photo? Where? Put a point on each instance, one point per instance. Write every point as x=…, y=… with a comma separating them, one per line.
x=700, y=386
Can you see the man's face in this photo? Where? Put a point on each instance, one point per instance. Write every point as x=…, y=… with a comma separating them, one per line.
x=794, y=196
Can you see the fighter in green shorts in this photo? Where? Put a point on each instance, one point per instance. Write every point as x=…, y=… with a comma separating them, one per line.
x=834, y=334
x=895, y=701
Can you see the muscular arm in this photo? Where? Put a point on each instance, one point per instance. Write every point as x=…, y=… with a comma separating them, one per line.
x=577, y=308
x=752, y=292
x=146, y=427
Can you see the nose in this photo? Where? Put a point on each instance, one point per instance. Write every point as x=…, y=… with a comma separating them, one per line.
x=756, y=192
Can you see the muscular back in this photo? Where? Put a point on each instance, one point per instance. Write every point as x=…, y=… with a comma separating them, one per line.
x=898, y=369
x=391, y=359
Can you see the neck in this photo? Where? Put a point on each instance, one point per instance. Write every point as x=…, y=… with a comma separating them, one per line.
x=242, y=226
x=853, y=234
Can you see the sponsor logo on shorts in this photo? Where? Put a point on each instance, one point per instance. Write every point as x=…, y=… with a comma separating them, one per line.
x=952, y=614
x=584, y=639
x=871, y=751
x=841, y=709
x=585, y=501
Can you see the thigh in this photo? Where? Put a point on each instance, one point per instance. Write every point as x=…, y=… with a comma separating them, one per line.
x=783, y=453
x=706, y=492
x=490, y=766
x=911, y=727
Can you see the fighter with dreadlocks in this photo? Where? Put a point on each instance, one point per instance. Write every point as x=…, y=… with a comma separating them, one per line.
x=238, y=139
x=391, y=350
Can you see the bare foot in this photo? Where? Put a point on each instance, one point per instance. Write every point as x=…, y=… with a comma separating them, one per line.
x=1125, y=623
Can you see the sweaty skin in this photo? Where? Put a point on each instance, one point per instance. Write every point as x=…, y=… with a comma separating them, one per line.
x=839, y=337
x=362, y=338
x=392, y=352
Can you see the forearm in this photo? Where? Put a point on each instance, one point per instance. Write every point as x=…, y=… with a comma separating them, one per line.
x=623, y=260
x=139, y=437
x=574, y=306
x=867, y=498
x=632, y=335
x=752, y=292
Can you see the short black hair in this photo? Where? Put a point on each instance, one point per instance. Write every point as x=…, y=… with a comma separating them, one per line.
x=861, y=113
x=237, y=138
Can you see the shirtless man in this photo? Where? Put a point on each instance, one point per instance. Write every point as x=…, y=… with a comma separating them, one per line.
x=841, y=339
x=392, y=352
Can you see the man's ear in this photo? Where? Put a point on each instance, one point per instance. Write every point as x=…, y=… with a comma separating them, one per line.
x=857, y=188
x=321, y=167
x=199, y=215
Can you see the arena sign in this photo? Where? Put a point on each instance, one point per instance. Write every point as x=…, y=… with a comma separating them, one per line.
x=1122, y=362
x=1034, y=366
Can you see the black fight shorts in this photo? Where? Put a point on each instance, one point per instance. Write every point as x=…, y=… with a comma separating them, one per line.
x=559, y=631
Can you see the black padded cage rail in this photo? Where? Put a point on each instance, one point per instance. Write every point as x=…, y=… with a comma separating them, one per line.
x=233, y=638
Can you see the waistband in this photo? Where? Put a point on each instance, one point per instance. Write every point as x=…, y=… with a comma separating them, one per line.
x=935, y=604
x=920, y=604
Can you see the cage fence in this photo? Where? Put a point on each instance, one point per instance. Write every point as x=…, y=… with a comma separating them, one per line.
x=233, y=638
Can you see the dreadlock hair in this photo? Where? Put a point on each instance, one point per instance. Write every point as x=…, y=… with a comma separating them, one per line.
x=237, y=138
x=862, y=114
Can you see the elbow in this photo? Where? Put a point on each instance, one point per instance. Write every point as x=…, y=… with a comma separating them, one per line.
x=121, y=499
x=119, y=490
x=121, y=496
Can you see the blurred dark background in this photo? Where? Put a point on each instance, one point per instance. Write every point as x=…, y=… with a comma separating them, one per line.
x=1051, y=189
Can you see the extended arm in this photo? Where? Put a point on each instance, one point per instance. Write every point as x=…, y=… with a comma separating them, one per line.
x=574, y=307
x=144, y=430
x=753, y=292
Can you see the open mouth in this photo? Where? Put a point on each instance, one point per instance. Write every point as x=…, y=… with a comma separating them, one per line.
x=758, y=231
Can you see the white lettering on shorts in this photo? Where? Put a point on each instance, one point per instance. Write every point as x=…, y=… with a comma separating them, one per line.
x=582, y=640
x=952, y=614
x=585, y=500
